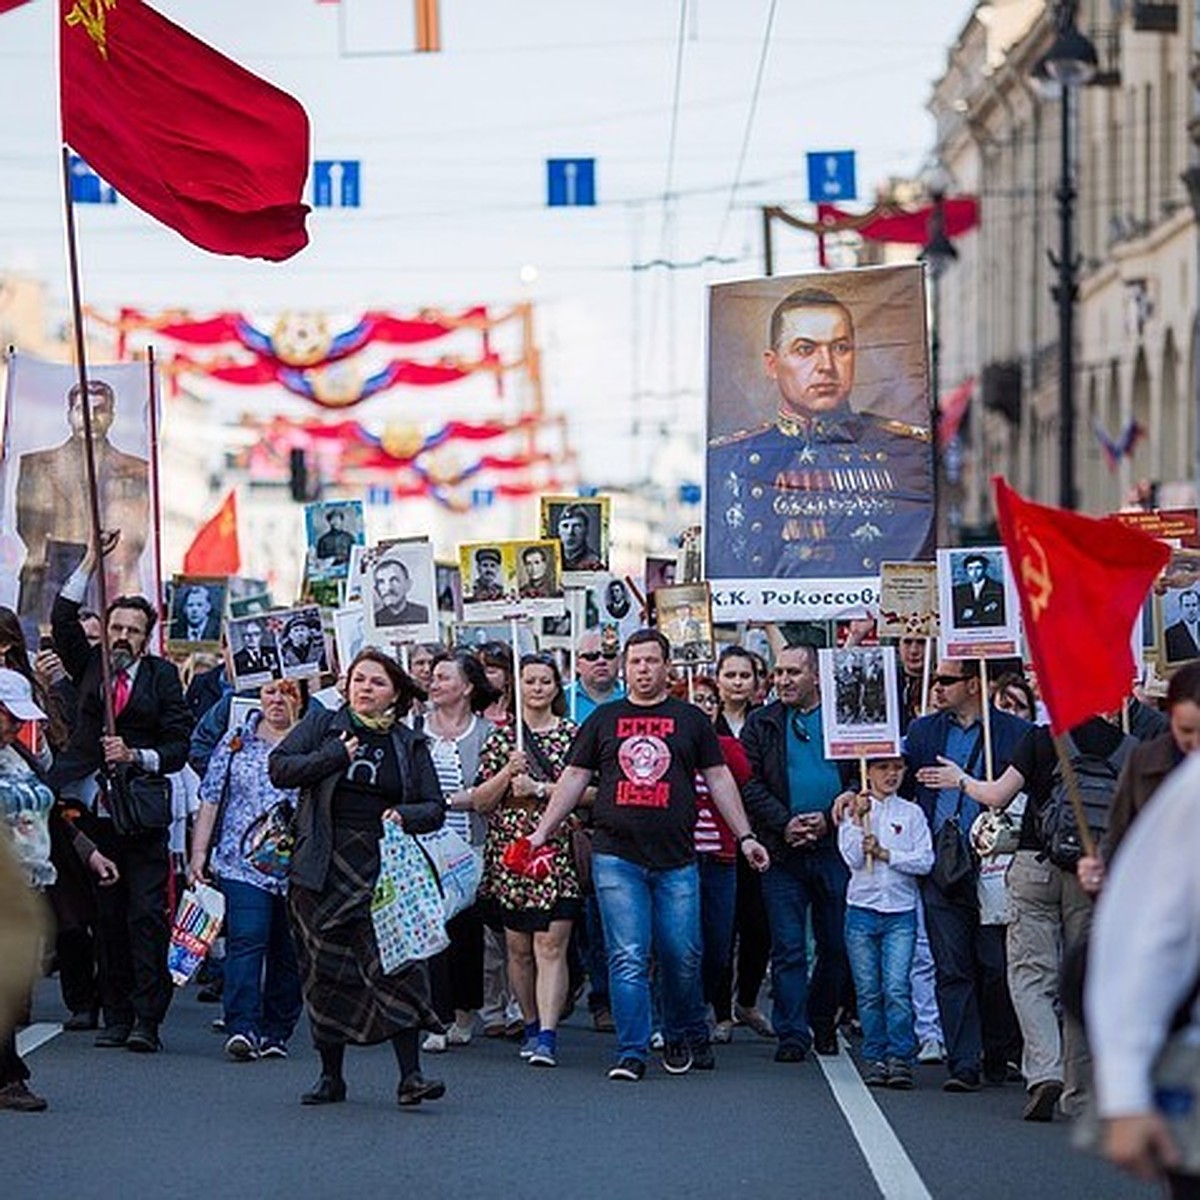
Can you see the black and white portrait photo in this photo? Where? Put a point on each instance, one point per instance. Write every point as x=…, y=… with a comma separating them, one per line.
x=1180, y=624
x=581, y=528
x=301, y=642
x=977, y=595
x=398, y=592
x=860, y=715
x=254, y=650
x=197, y=609
x=333, y=528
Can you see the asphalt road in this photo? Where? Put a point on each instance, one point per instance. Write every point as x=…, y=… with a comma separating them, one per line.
x=188, y=1123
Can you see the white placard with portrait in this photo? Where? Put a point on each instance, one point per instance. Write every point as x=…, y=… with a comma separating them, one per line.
x=860, y=712
x=980, y=607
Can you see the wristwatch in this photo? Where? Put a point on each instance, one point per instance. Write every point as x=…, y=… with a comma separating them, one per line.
x=541, y=789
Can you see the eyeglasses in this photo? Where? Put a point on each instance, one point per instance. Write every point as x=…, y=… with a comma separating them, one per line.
x=799, y=730
x=707, y=701
x=948, y=680
x=596, y=655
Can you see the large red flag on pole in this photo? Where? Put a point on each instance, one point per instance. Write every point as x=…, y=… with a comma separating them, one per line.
x=1082, y=582
x=5, y=5
x=214, y=549
x=198, y=142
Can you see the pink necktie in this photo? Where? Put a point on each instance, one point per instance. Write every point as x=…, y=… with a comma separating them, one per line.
x=121, y=687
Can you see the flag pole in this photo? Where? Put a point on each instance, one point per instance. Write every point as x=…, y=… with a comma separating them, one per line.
x=925, y=673
x=866, y=819
x=1068, y=773
x=514, y=636
x=985, y=700
x=85, y=403
x=155, y=495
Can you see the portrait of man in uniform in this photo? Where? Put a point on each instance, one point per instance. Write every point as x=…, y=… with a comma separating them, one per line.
x=487, y=583
x=536, y=577
x=839, y=476
x=52, y=508
x=581, y=528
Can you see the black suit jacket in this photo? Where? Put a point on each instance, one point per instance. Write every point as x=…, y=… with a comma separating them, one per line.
x=986, y=610
x=156, y=716
x=210, y=633
x=1179, y=644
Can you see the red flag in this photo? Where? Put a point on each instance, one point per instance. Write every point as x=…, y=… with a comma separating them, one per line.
x=198, y=142
x=1082, y=582
x=6, y=5
x=214, y=549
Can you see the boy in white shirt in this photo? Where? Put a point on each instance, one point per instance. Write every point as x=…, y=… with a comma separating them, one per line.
x=886, y=843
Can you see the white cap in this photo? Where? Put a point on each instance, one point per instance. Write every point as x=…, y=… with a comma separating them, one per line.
x=17, y=696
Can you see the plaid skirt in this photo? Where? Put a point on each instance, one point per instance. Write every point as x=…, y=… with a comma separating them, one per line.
x=346, y=993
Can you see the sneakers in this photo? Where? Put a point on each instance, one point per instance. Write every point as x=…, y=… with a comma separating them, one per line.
x=458, y=1035
x=790, y=1052
x=753, y=1018
x=677, y=1058
x=703, y=1058
x=723, y=1032
x=241, y=1047
x=628, y=1070
x=527, y=1049
x=657, y=1041
x=16, y=1097
x=899, y=1075
x=931, y=1051
x=542, y=1056
x=967, y=1081
x=143, y=1037
x=435, y=1043
x=1043, y=1098
x=825, y=1042
x=875, y=1074
x=272, y=1049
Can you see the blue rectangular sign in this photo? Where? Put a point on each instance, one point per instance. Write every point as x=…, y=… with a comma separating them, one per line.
x=336, y=184
x=831, y=176
x=570, y=182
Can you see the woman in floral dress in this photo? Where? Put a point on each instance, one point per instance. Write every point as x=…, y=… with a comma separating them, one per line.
x=537, y=914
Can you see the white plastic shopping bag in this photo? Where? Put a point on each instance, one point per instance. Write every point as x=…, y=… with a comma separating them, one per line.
x=407, y=909
x=198, y=920
x=459, y=867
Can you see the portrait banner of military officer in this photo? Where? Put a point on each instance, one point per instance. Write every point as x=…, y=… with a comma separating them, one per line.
x=254, y=651
x=299, y=638
x=195, y=614
x=581, y=526
x=820, y=459
x=863, y=721
x=44, y=507
x=908, y=600
x=489, y=581
x=398, y=597
x=540, y=589
x=684, y=617
x=980, y=607
x=332, y=529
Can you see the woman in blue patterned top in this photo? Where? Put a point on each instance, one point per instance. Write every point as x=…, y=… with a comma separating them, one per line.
x=262, y=982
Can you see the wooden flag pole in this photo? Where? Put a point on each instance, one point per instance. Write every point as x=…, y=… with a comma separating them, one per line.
x=1072, y=782
x=866, y=817
x=518, y=713
x=691, y=682
x=926, y=671
x=85, y=403
x=985, y=703
x=573, y=596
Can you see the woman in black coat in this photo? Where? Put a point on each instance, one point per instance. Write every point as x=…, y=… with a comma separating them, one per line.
x=355, y=769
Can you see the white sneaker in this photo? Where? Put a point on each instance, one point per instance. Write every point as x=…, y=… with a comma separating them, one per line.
x=932, y=1051
x=434, y=1043
x=459, y=1035
x=656, y=1041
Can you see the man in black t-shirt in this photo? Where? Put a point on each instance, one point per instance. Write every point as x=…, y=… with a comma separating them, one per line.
x=648, y=748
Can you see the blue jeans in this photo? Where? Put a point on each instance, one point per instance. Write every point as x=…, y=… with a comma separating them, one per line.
x=262, y=982
x=718, y=896
x=880, y=948
x=644, y=909
x=816, y=880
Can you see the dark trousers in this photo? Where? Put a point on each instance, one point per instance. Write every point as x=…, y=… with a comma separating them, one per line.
x=456, y=975
x=978, y=1022
x=718, y=885
x=133, y=927
x=12, y=1069
x=753, y=934
x=73, y=900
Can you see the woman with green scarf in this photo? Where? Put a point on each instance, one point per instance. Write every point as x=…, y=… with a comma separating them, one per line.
x=356, y=768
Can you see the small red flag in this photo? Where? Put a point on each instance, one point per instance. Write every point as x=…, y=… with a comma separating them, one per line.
x=214, y=549
x=198, y=142
x=1082, y=582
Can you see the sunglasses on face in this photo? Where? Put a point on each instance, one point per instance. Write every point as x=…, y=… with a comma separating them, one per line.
x=948, y=680
x=596, y=655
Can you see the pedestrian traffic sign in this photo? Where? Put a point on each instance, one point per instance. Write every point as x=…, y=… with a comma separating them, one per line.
x=87, y=187
x=570, y=182
x=336, y=184
x=831, y=176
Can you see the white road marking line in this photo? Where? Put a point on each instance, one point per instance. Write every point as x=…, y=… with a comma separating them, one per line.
x=886, y=1157
x=29, y=1039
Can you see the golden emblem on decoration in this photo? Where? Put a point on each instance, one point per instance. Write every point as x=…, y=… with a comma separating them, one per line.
x=91, y=15
x=301, y=339
x=402, y=441
x=337, y=386
x=1035, y=575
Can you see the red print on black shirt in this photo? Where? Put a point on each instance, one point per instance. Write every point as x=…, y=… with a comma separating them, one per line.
x=645, y=758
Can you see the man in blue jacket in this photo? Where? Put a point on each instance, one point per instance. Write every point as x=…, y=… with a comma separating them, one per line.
x=972, y=990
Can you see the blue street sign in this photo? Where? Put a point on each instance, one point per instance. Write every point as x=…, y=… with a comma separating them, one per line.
x=831, y=176
x=87, y=187
x=336, y=183
x=570, y=182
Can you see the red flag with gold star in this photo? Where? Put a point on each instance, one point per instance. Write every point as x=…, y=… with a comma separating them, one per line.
x=1082, y=582
x=198, y=142
x=214, y=550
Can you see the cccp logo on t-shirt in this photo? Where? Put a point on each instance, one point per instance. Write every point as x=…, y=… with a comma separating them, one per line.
x=645, y=758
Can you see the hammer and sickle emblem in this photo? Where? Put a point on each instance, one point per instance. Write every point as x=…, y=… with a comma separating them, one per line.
x=90, y=14
x=1035, y=574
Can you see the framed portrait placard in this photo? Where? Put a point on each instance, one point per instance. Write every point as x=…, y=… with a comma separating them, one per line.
x=1177, y=611
x=332, y=529
x=908, y=600
x=299, y=637
x=196, y=612
x=397, y=592
x=580, y=525
x=860, y=716
x=684, y=614
x=254, y=650
x=980, y=607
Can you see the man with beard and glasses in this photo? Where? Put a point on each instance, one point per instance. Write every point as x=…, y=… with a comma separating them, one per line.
x=153, y=725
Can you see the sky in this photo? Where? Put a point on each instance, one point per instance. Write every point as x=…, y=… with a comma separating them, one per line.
x=696, y=119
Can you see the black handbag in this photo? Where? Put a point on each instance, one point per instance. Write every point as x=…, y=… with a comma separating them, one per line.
x=954, y=865
x=137, y=802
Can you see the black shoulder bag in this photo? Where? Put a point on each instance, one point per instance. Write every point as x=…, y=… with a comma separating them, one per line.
x=954, y=866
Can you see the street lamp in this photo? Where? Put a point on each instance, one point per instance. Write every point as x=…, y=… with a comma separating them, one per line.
x=1071, y=62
